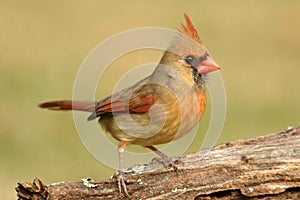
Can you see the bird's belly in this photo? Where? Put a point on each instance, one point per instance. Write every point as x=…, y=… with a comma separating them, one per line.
x=142, y=129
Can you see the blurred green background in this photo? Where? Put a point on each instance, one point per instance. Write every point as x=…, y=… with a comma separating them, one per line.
x=43, y=43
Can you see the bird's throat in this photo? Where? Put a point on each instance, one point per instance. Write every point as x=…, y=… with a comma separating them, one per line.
x=198, y=79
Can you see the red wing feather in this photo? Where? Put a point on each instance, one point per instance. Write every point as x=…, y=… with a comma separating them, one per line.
x=116, y=106
x=142, y=104
x=139, y=104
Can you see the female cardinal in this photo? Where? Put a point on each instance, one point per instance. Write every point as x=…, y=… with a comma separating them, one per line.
x=160, y=108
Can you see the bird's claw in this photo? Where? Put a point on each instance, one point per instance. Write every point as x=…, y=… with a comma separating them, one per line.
x=122, y=184
x=173, y=165
x=167, y=162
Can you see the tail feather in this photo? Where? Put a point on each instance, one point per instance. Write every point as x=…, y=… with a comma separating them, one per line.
x=87, y=106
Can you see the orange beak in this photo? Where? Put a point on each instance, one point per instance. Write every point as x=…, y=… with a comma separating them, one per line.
x=208, y=65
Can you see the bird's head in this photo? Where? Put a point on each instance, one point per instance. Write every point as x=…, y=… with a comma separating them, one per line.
x=188, y=55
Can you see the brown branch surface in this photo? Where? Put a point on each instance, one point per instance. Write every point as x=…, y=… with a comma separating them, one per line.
x=266, y=167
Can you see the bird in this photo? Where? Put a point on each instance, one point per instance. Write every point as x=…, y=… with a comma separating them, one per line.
x=160, y=108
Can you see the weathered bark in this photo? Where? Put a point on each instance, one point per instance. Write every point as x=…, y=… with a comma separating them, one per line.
x=266, y=167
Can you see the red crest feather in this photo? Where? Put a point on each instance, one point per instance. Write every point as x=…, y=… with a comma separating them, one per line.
x=189, y=29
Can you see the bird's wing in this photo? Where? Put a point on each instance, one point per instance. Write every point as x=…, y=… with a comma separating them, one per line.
x=136, y=104
x=136, y=99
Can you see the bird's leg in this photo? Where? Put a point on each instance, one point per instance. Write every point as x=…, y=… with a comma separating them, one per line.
x=165, y=159
x=121, y=179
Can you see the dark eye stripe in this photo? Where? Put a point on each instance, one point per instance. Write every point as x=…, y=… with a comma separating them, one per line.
x=194, y=61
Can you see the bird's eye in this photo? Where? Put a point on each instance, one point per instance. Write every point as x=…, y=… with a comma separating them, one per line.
x=195, y=61
x=189, y=59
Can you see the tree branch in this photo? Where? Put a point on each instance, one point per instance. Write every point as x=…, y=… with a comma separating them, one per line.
x=259, y=168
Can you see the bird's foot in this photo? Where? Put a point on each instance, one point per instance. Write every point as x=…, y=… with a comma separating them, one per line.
x=167, y=162
x=121, y=183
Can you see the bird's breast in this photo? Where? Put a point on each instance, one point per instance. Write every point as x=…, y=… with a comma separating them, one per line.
x=169, y=119
x=192, y=109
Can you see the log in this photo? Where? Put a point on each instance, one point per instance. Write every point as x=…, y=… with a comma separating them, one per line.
x=265, y=167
